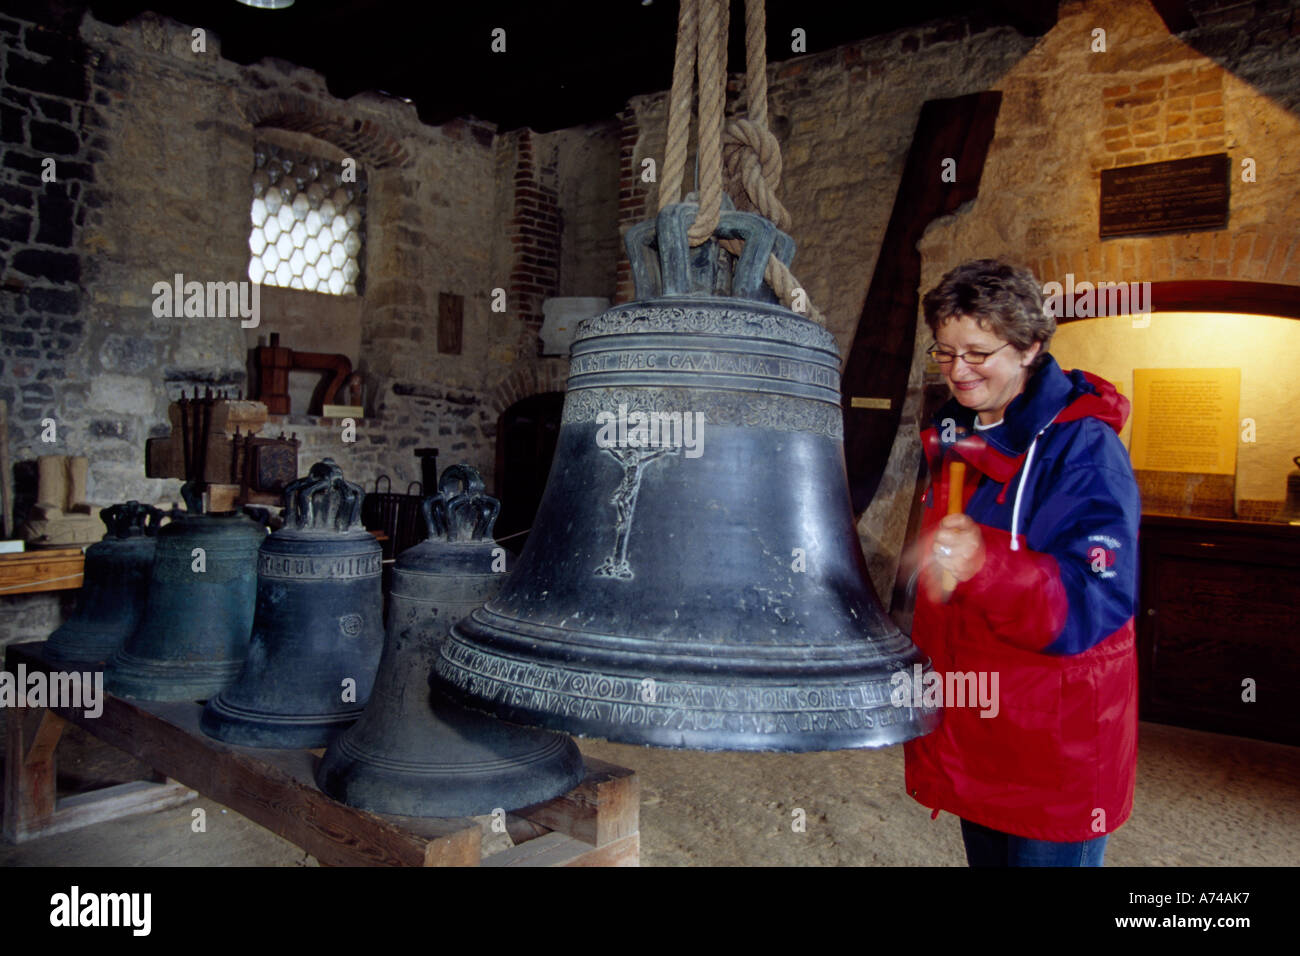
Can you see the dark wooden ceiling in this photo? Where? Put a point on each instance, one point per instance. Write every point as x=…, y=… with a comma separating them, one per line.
x=565, y=63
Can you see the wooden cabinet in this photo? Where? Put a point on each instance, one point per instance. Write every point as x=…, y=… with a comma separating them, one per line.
x=1220, y=604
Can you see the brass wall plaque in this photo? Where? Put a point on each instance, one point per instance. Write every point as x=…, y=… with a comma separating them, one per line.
x=1181, y=195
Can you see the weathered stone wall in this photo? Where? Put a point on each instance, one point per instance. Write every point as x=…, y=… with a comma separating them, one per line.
x=165, y=133
x=152, y=142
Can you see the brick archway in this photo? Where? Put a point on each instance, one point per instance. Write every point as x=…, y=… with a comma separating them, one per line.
x=532, y=379
x=366, y=140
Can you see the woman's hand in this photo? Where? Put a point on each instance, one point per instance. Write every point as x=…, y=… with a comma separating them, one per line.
x=958, y=547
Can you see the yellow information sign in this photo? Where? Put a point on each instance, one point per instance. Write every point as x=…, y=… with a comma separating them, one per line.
x=1185, y=419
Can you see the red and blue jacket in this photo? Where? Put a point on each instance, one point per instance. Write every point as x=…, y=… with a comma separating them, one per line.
x=1050, y=612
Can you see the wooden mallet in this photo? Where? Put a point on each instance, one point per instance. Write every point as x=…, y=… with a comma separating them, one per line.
x=956, y=481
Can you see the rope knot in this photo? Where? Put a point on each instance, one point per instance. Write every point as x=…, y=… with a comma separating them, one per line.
x=752, y=157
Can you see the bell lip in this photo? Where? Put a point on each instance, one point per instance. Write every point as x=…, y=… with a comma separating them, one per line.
x=355, y=781
x=601, y=653
x=83, y=645
x=242, y=727
x=162, y=679
x=875, y=688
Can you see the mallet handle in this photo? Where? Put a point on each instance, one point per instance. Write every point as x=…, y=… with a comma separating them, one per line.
x=956, y=481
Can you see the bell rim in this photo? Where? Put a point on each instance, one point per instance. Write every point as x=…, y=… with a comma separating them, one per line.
x=548, y=750
x=727, y=704
x=484, y=628
x=735, y=741
x=369, y=787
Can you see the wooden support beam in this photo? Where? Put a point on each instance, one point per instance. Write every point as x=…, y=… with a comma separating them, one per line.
x=1033, y=18
x=880, y=358
x=1175, y=14
x=603, y=808
x=597, y=820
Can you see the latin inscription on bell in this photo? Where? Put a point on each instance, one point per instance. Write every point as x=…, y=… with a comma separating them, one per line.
x=273, y=565
x=768, y=367
x=677, y=706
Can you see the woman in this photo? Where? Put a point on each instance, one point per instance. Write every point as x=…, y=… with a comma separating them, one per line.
x=1041, y=584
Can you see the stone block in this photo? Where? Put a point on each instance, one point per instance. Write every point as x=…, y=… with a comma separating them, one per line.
x=11, y=124
x=52, y=138
x=17, y=338
x=54, y=217
x=16, y=196
x=58, y=77
x=55, y=110
x=15, y=225
x=124, y=395
x=131, y=354
x=55, y=266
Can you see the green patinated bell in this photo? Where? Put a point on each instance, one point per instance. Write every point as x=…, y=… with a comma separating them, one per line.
x=114, y=589
x=193, y=637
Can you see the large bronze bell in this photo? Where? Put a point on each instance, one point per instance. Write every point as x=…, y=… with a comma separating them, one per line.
x=318, y=630
x=413, y=752
x=114, y=589
x=194, y=634
x=693, y=578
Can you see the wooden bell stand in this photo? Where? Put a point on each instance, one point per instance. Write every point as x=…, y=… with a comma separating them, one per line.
x=595, y=824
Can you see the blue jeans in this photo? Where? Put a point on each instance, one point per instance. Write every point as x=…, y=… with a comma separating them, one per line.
x=985, y=847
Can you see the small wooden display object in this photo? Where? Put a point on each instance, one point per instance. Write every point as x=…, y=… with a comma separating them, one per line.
x=595, y=824
x=274, y=363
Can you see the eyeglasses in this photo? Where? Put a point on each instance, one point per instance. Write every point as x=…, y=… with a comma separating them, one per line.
x=945, y=357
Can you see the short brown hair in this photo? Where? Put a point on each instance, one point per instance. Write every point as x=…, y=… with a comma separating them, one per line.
x=1005, y=299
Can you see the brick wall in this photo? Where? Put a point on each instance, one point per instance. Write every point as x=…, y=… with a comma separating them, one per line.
x=633, y=194
x=533, y=232
x=1163, y=117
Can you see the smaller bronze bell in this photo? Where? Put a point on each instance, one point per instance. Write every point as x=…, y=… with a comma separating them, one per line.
x=114, y=589
x=193, y=636
x=317, y=632
x=413, y=752
x=1290, y=512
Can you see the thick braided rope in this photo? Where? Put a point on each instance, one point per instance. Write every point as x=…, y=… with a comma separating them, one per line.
x=713, y=95
x=679, y=105
x=753, y=156
x=756, y=60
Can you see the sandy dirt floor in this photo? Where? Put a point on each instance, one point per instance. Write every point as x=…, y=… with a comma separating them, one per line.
x=1202, y=799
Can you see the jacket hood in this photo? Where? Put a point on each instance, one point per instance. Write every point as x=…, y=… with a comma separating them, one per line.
x=1051, y=394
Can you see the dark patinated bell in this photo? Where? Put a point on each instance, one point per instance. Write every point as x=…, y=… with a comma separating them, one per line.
x=413, y=752
x=194, y=634
x=318, y=631
x=114, y=589
x=693, y=578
